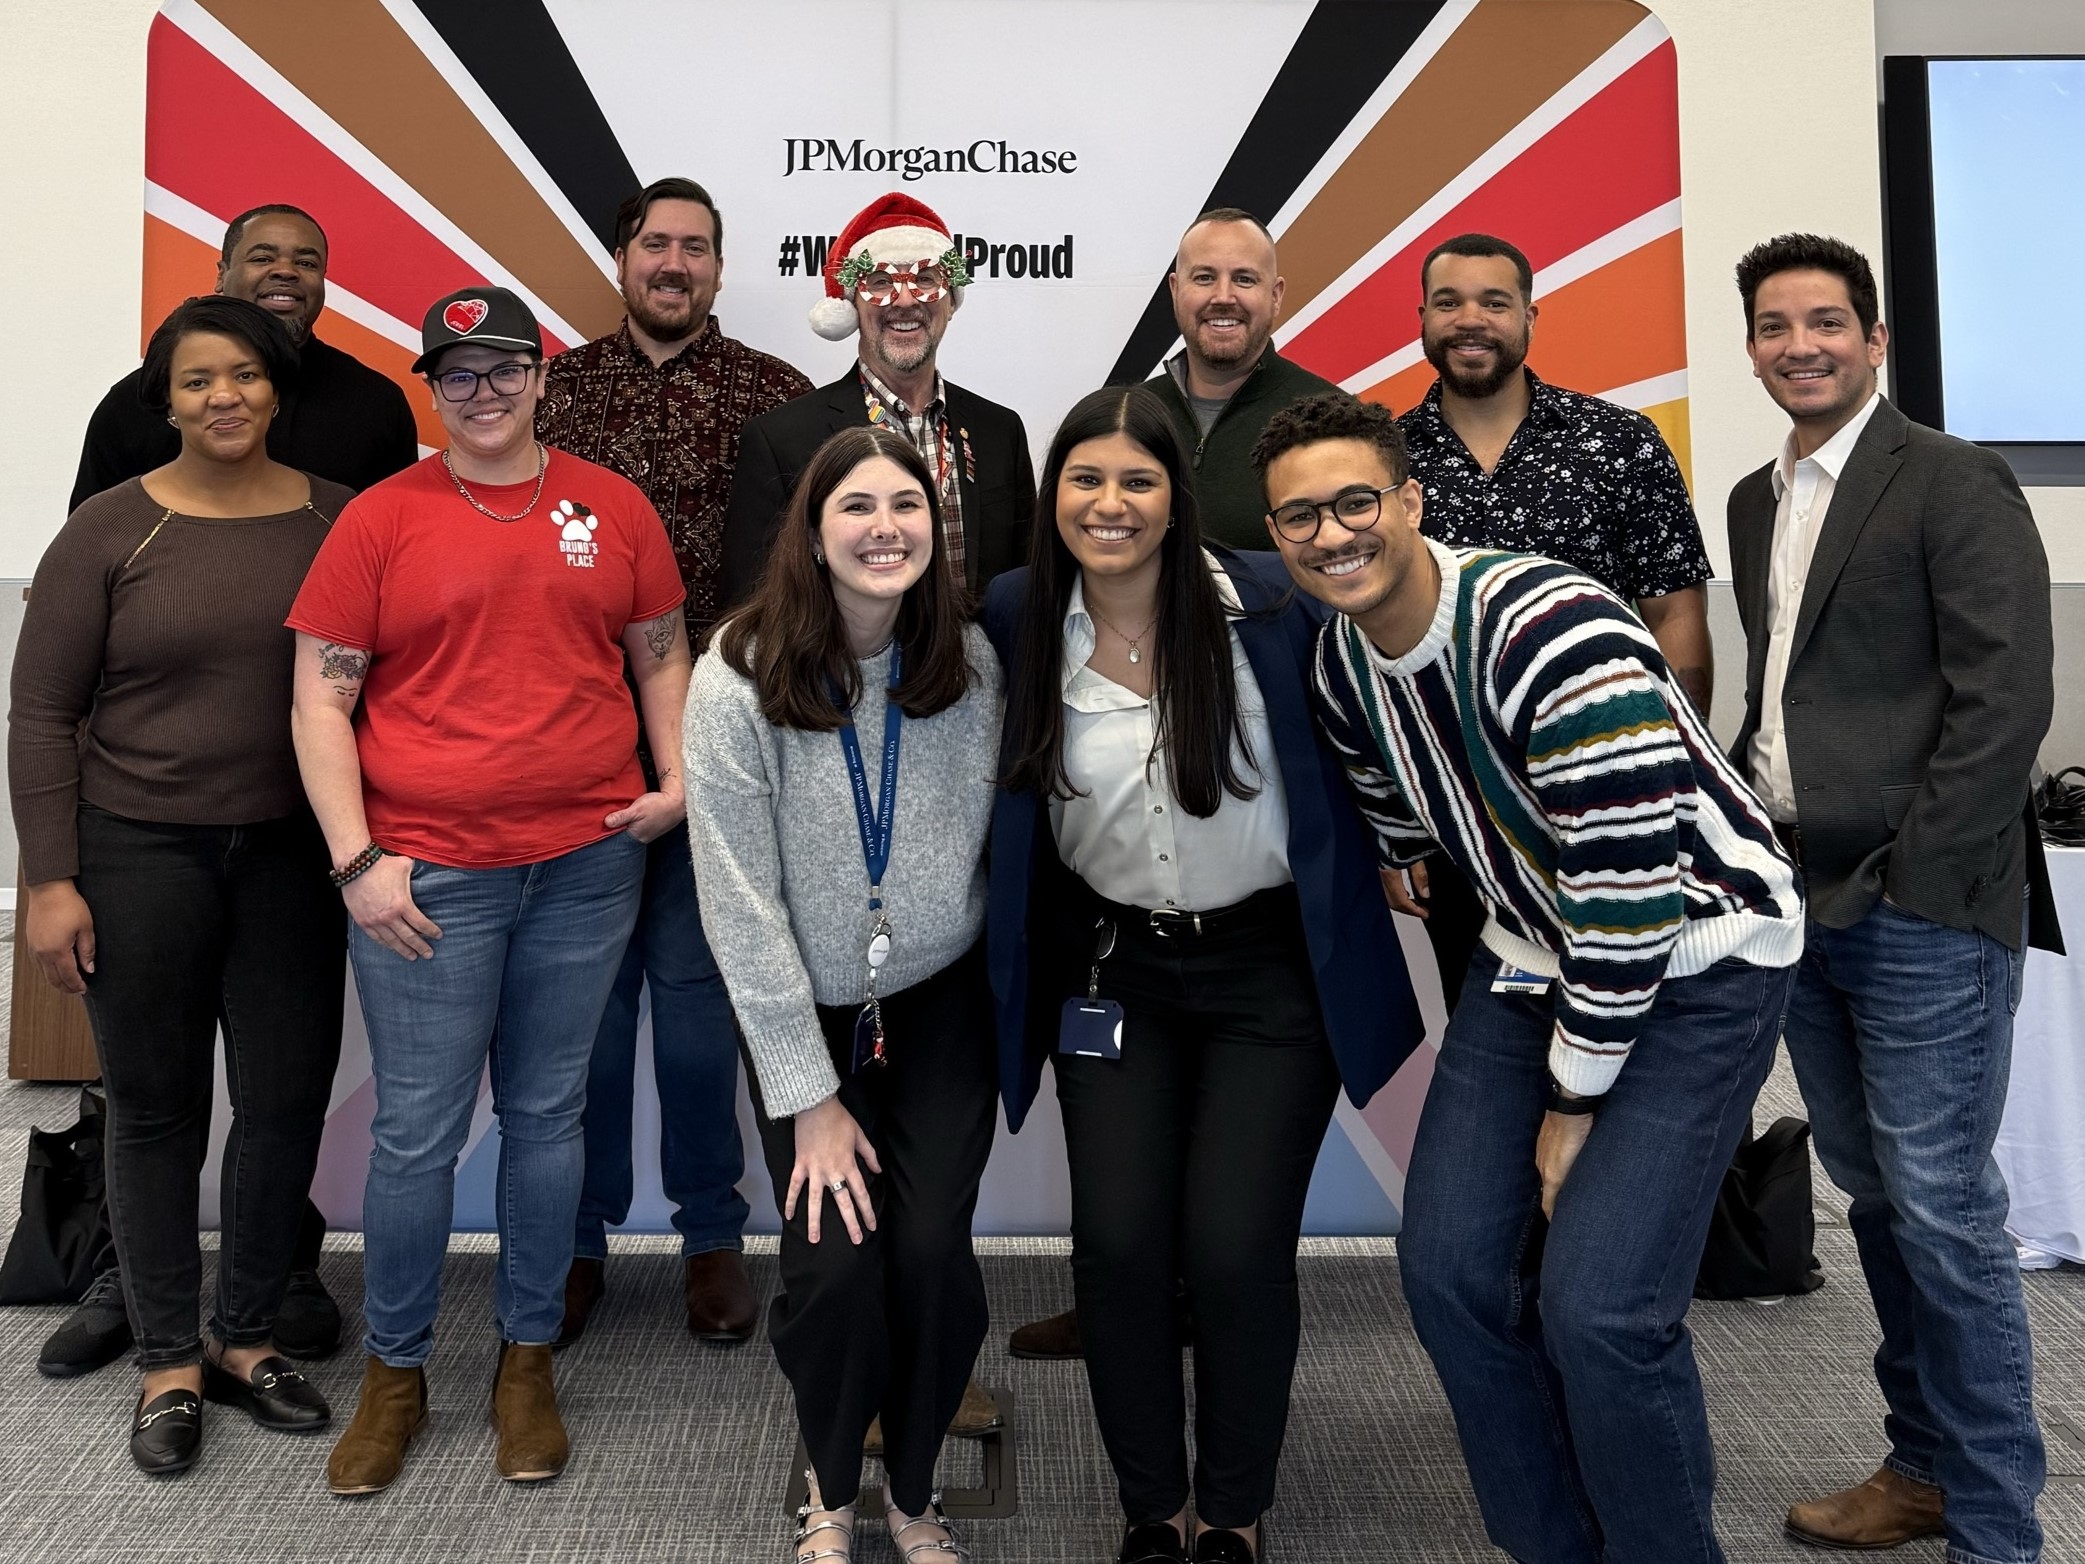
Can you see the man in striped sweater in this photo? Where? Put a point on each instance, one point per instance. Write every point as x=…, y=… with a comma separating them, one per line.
x=1618, y=1017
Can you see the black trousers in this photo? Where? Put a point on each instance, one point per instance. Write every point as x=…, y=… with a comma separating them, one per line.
x=1190, y=1158
x=892, y=1325
x=197, y=928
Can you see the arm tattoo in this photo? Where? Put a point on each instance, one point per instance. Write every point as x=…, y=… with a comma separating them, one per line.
x=342, y=666
x=658, y=633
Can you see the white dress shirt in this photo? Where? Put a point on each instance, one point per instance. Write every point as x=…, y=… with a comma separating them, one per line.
x=1803, y=495
x=1125, y=834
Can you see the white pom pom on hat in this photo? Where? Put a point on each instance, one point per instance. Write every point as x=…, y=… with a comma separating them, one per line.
x=895, y=230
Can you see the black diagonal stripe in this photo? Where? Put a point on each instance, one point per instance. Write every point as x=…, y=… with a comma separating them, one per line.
x=519, y=60
x=1340, y=58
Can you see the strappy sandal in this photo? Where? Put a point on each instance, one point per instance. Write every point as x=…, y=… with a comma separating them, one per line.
x=935, y=1550
x=805, y=1531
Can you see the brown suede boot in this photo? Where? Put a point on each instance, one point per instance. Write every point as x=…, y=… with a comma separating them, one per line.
x=532, y=1443
x=389, y=1411
x=1882, y=1512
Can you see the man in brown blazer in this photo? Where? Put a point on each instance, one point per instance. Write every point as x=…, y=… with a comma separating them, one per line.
x=1898, y=681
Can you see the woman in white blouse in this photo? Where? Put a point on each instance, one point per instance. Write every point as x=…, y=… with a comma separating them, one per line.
x=1162, y=784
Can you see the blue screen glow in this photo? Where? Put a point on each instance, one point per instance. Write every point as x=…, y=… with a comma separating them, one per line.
x=2009, y=232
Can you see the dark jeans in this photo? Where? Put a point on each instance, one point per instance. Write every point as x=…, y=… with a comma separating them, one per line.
x=1901, y=1032
x=892, y=1325
x=198, y=927
x=1563, y=1346
x=694, y=1060
x=1190, y=1159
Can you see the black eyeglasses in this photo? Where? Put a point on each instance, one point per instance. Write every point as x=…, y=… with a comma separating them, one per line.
x=1357, y=510
x=461, y=385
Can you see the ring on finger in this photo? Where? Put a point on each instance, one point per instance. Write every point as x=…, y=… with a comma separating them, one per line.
x=838, y=1186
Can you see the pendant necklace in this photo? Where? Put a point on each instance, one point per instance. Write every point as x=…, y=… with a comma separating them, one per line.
x=470, y=499
x=1135, y=656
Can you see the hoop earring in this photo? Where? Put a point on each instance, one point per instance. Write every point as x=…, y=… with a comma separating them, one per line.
x=173, y=421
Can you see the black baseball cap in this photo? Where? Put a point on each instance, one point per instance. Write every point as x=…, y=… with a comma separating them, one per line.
x=495, y=317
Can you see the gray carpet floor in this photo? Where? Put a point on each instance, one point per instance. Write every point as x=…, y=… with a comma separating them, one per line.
x=682, y=1449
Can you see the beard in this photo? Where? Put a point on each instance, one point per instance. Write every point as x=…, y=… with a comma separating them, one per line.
x=662, y=327
x=904, y=353
x=1246, y=348
x=1509, y=355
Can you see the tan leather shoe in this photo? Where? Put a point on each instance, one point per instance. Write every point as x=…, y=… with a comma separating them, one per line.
x=978, y=1415
x=720, y=1299
x=532, y=1443
x=1055, y=1337
x=1882, y=1512
x=586, y=1283
x=390, y=1410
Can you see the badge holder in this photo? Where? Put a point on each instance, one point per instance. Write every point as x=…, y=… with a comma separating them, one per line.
x=1092, y=1027
x=868, y=1026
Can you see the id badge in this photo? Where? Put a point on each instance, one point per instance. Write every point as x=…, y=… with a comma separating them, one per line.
x=1516, y=980
x=1091, y=1028
x=868, y=1038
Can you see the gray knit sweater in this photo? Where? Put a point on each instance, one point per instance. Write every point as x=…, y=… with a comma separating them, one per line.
x=778, y=857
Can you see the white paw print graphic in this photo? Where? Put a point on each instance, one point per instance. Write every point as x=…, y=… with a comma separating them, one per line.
x=579, y=522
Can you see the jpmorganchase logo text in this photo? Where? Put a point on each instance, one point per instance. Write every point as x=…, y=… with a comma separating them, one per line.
x=813, y=155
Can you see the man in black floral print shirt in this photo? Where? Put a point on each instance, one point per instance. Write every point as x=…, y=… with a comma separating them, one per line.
x=1508, y=461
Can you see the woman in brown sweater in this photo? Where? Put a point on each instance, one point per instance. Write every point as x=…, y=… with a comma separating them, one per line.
x=176, y=877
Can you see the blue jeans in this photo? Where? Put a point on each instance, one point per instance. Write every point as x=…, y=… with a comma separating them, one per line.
x=1563, y=1346
x=1901, y=1031
x=519, y=976
x=694, y=1058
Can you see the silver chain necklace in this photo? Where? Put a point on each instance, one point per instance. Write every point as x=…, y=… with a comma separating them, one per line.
x=472, y=500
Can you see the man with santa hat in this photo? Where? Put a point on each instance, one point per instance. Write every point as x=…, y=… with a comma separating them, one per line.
x=896, y=276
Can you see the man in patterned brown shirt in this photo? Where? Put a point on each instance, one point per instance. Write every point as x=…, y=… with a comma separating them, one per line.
x=662, y=400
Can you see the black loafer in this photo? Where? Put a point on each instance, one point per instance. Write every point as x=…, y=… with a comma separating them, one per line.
x=167, y=1433
x=308, y=1323
x=1154, y=1542
x=1220, y=1545
x=277, y=1396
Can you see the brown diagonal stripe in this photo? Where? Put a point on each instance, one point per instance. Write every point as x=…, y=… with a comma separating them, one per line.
x=1506, y=60
x=358, y=65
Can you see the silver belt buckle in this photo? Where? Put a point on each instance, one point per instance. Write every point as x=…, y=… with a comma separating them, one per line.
x=1170, y=922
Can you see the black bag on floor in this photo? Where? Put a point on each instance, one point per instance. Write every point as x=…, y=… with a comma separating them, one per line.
x=62, y=1237
x=1763, y=1231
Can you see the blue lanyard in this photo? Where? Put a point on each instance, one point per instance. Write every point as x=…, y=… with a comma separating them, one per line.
x=875, y=826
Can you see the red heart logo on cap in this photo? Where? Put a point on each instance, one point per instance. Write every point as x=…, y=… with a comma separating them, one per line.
x=465, y=316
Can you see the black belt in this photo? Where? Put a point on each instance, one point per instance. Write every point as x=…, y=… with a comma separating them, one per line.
x=1275, y=905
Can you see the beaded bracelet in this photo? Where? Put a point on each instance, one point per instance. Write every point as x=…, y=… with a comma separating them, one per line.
x=356, y=866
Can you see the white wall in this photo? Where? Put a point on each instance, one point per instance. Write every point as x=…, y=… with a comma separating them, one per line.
x=1777, y=128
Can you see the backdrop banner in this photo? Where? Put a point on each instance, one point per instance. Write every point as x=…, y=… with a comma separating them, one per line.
x=1066, y=143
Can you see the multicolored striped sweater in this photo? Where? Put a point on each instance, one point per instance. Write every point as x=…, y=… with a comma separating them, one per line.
x=1535, y=735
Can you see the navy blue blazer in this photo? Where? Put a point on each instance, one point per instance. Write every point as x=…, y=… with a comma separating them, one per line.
x=1370, y=1013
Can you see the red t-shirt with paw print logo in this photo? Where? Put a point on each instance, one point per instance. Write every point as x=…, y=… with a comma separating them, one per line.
x=494, y=727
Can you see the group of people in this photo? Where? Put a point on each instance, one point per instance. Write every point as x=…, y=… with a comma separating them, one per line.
x=1122, y=772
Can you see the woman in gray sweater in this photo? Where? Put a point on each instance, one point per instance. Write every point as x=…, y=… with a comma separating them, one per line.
x=840, y=748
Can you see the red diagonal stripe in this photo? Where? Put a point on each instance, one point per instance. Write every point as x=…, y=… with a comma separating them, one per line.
x=378, y=251
x=1614, y=159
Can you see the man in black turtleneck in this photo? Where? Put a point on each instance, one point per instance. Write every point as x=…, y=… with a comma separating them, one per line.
x=344, y=421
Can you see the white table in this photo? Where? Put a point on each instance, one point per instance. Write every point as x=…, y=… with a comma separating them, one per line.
x=2041, y=1143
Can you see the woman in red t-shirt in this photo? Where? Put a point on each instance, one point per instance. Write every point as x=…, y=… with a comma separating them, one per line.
x=469, y=746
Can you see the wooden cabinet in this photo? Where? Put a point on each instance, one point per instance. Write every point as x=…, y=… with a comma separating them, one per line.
x=48, y=1036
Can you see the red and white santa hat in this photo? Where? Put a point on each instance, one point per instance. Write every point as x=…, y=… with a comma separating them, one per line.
x=892, y=230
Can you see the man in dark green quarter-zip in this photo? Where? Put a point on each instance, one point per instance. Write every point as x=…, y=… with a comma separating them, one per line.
x=1227, y=380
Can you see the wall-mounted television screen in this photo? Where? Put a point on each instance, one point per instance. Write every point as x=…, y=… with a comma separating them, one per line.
x=1985, y=170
